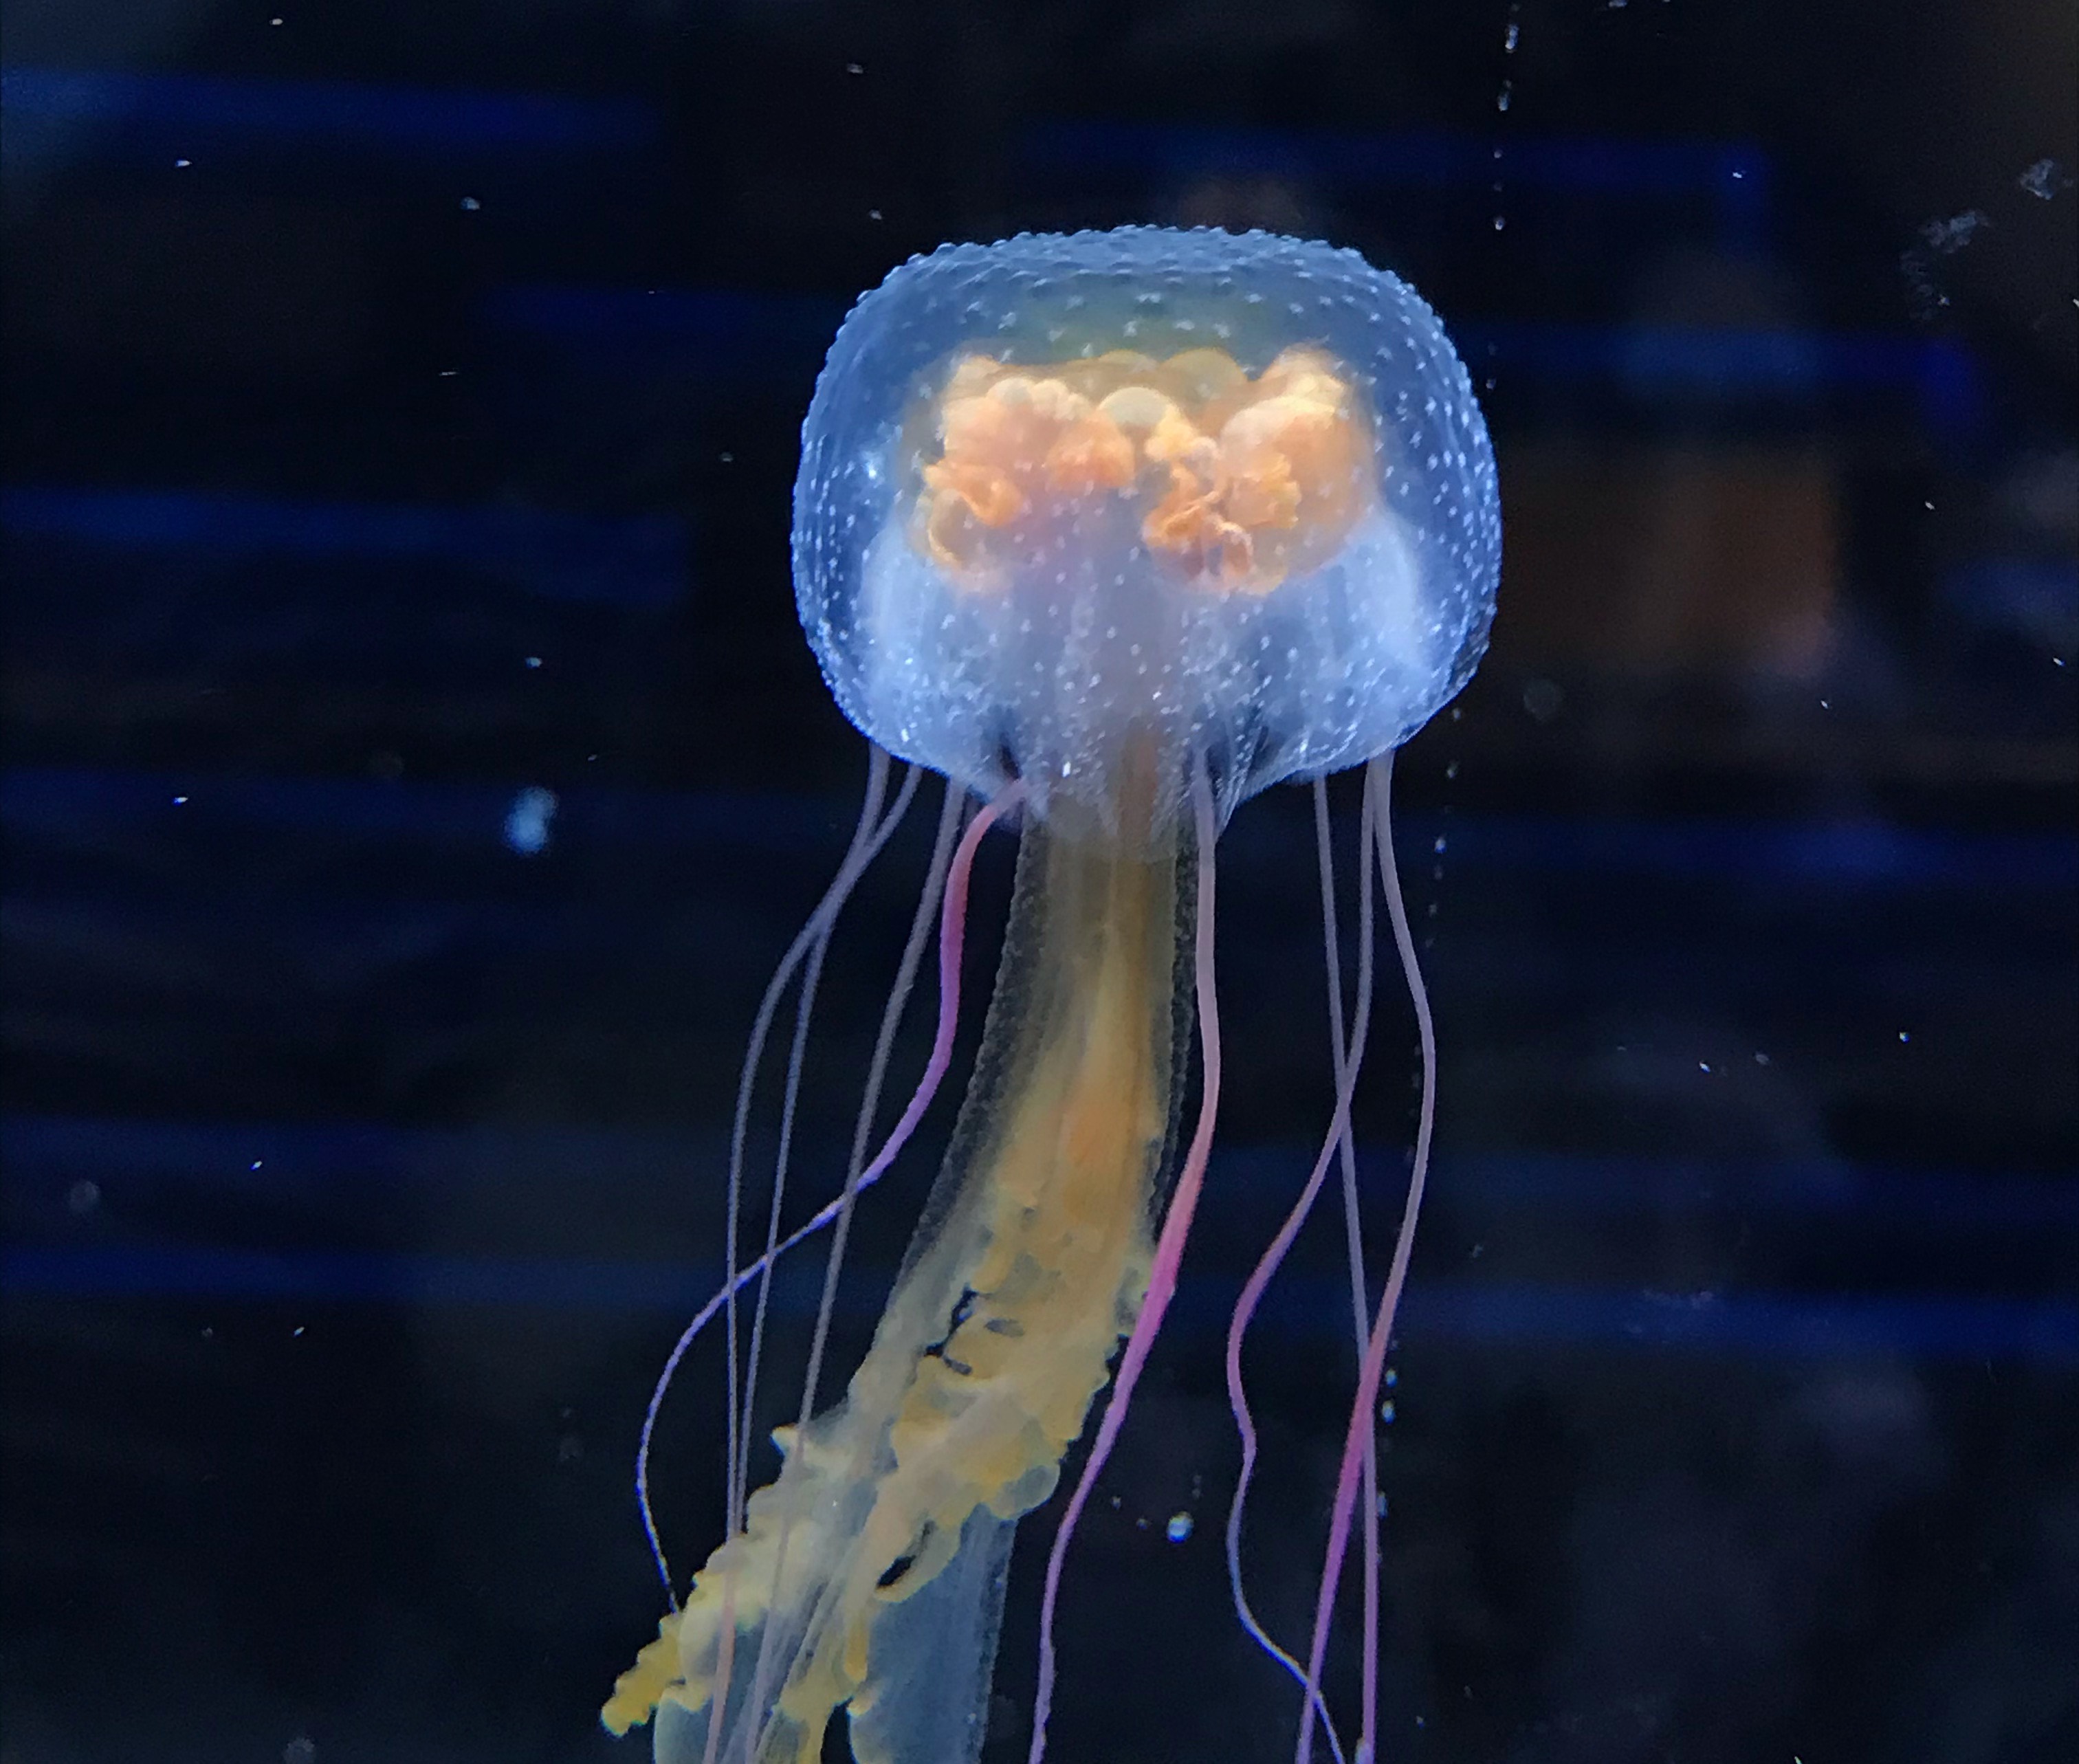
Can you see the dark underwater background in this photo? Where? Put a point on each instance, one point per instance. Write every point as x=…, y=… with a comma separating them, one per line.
x=413, y=769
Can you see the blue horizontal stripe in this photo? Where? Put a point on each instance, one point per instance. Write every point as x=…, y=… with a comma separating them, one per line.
x=54, y=1150
x=640, y=560
x=1728, y=172
x=728, y=333
x=1761, y=1323
x=322, y=110
x=62, y=802
x=737, y=332
x=68, y=805
x=1941, y=376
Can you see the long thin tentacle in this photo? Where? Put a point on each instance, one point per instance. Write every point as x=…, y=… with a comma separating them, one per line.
x=1162, y=1273
x=1374, y=1366
x=797, y=1054
x=950, y=817
x=1354, y=1236
x=827, y=909
x=754, y=1055
x=952, y=929
x=953, y=920
x=1348, y=1058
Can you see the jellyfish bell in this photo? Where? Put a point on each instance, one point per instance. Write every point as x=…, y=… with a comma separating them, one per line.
x=1114, y=529
x=1073, y=502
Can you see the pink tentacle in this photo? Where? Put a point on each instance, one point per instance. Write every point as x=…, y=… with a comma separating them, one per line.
x=952, y=928
x=1373, y=1367
x=1162, y=1274
x=1348, y=1058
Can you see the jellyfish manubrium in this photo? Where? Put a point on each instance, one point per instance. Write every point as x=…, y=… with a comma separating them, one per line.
x=1112, y=529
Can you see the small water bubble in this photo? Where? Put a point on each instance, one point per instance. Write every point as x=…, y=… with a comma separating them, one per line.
x=1543, y=698
x=1761, y=1059
x=854, y=67
x=1503, y=97
x=471, y=204
x=527, y=820
x=533, y=661
x=179, y=801
x=1179, y=1527
x=1702, y=1065
x=2044, y=179
x=1392, y=1377
x=1904, y=1037
x=1500, y=221
x=297, y=1331
x=1510, y=36
x=1451, y=770
x=82, y=1197
x=1386, y=1412
x=302, y=1749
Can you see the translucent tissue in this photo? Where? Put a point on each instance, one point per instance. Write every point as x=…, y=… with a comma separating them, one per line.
x=1093, y=509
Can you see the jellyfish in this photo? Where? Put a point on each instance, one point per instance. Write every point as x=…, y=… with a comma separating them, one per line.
x=1112, y=530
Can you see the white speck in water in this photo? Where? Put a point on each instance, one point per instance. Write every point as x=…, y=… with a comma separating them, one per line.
x=853, y=67
x=1510, y=37
x=1392, y=1377
x=179, y=801
x=1500, y=222
x=302, y=1749
x=256, y=1164
x=2044, y=179
x=873, y=214
x=1179, y=1527
x=533, y=661
x=470, y=205
x=1761, y=1059
x=1702, y=1065
x=527, y=820
x=297, y=1331
x=182, y=165
x=1904, y=1037
x=82, y=1197
x=1385, y=1411
x=1439, y=847
x=1502, y=96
